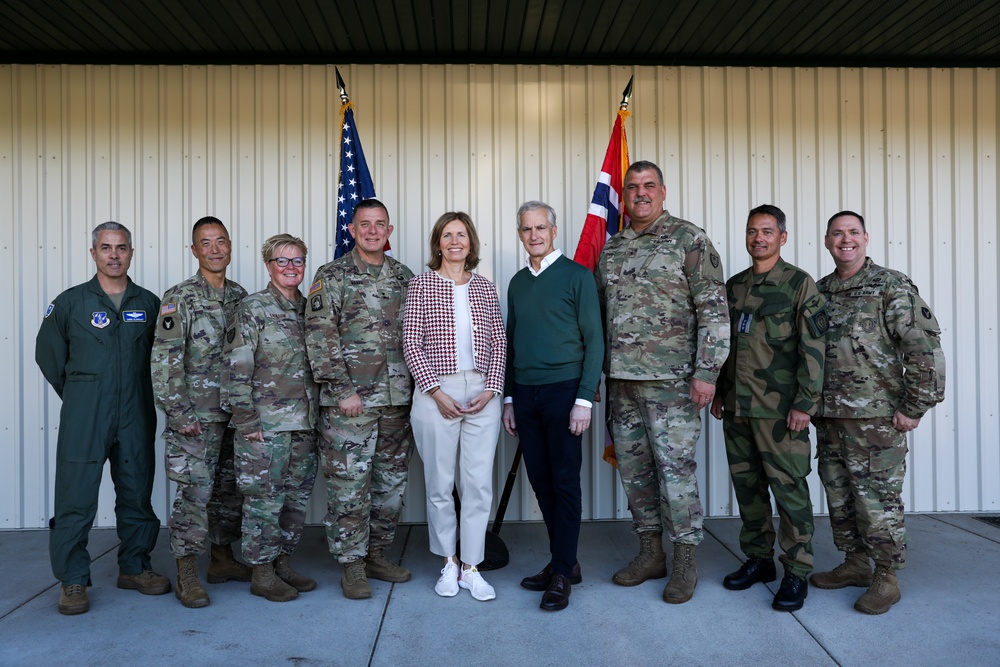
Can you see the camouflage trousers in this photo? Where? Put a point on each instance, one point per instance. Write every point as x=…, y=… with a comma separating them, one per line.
x=207, y=503
x=276, y=477
x=764, y=454
x=365, y=461
x=655, y=427
x=862, y=463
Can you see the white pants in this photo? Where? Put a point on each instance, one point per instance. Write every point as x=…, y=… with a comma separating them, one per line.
x=470, y=443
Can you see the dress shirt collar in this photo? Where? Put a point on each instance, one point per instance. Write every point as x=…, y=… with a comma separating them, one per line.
x=546, y=262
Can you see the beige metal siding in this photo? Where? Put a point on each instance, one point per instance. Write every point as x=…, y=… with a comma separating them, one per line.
x=914, y=150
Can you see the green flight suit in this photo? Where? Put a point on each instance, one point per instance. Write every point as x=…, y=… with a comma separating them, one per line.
x=97, y=360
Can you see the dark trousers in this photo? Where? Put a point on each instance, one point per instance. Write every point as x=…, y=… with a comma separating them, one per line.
x=76, y=496
x=552, y=457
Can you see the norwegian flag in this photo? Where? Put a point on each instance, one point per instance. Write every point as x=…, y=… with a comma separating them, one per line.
x=606, y=215
x=355, y=183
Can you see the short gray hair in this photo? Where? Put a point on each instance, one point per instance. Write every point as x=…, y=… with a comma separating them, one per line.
x=110, y=226
x=536, y=206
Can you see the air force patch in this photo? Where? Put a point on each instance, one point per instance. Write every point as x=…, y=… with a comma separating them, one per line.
x=134, y=315
x=51, y=307
x=100, y=319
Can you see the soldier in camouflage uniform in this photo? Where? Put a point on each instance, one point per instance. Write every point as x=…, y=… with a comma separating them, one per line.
x=884, y=370
x=666, y=323
x=268, y=386
x=187, y=363
x=354, y=340
x=769, y=388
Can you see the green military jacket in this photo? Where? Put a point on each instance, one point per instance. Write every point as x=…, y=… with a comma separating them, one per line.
x=778, y=344
x=97, y=360
x=663, y=299
x=187, y=359
x=354, y=332
x=267, y=383
x=883, y=349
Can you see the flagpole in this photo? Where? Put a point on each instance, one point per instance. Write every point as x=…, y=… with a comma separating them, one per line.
x=344, y=99
x=626, y=94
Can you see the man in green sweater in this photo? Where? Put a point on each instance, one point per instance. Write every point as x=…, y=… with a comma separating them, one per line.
x=555, y=348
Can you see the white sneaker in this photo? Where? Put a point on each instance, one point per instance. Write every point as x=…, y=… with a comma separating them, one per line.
x=447, y=585
x=473, y=582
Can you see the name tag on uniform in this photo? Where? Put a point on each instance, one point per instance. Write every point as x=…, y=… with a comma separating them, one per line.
x=744, y=323
x=134, y=315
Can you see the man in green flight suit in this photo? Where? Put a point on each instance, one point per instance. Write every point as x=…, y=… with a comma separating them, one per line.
x=93, y=348
x=769, y=388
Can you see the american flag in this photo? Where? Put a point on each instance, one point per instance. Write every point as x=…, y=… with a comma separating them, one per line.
x=355, y=182
x=606, y=216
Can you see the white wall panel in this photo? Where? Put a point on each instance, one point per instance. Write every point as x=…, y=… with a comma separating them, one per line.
x=156, y=147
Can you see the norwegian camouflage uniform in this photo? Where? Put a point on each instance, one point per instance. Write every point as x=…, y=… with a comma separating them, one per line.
x=883, y=354
x=354, y=341
x=775, y=364
x=666, y=321
x=268, y=386
x=186, y=364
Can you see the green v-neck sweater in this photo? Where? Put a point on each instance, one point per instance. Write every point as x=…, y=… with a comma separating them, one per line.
x=554, y=330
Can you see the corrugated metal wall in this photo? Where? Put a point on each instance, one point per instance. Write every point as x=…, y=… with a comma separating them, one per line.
x=915, y=150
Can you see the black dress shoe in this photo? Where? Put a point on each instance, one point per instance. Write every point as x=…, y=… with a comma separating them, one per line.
x=556, y=596
x=752, y=571
x=540, y=581
x=792, y=594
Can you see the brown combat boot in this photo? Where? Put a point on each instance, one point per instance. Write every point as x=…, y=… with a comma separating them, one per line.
x=650, y=563
x=854, y=571
x=265, y=583
x=680, y=588
x=299, y=582
x=73, y=599
x=354, y=582
x=377, y=566
x=884, y=592
x=223, y=566
x=188, y=589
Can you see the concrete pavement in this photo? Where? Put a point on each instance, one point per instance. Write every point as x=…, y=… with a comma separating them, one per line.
x=949, y=613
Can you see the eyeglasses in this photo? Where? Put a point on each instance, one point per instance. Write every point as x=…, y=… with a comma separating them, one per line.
x=297, y=262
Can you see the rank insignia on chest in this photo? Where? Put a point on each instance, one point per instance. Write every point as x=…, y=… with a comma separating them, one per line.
x=134, y=315
x=744, y=323
x=168, y=309
x=100, y=319
x=231, y=334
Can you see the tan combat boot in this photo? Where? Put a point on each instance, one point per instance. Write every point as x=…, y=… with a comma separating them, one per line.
x=377, y=566
x=73, y=599
x=680, y=588
x=299, y=582
x=650, y=563
x=854, y=571
x=884, y=592
x=354, y=582
x=189, y=590
x=265, y=583
x=223, y=566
